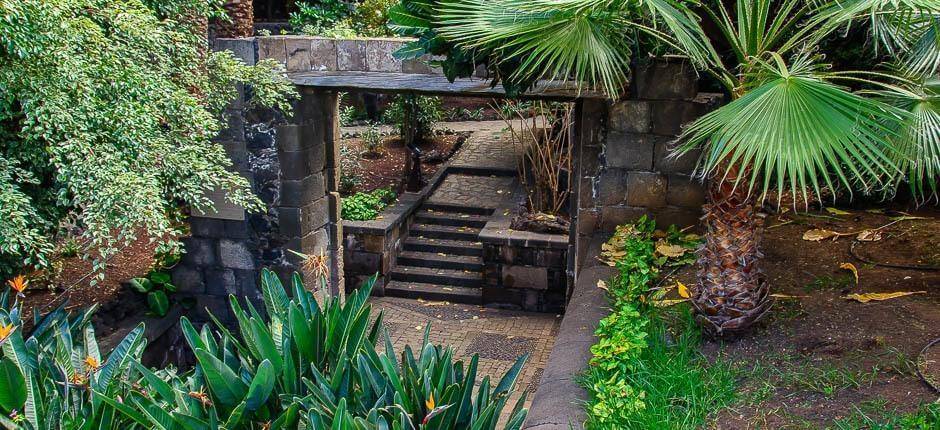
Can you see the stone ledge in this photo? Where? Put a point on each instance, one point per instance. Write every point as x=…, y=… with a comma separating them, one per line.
x=559, y=401
x=497, y=231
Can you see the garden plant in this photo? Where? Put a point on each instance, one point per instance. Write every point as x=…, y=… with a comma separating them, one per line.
x=793, y=127
x=302, y=365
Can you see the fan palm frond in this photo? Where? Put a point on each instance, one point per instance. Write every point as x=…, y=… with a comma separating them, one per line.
x=917, y=137
x=795, y=131
x=583, y=40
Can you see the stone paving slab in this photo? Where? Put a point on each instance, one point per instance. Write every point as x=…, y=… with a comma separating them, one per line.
x=498, y=336
x=489, y=148
x=472, y=190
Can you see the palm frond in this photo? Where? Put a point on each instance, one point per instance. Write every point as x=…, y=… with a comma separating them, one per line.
x=582, y=40
x=917, y=138
x=795, y=131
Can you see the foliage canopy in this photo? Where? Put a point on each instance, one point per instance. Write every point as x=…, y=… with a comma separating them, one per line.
x=108, y=109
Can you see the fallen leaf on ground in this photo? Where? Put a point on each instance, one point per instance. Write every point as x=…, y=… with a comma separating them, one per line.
x=850, y=267
x=869, y=236
x=602, y=284
x=835, y=211
x=682, y=290
x=671, y=251
x=667, y=302
x=818, y=234
x=877, y=297
x=786, y=296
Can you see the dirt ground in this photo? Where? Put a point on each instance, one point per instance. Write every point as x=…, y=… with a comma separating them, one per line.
x=820, y=358
x=387, y=169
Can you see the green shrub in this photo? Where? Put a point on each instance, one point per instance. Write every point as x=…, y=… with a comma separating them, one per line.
x=371, y=16
x=645, y=373
x=427, y=111
x=323, y=14
x=366, y=206
x=107, y=116
x=372, y=140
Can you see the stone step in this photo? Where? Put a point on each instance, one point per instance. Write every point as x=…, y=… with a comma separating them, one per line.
x=451, y=218
x=445, y=277
x=440, y=260
x=444, y=232
x=417, y=290
x=455, y=247
x=472, y=210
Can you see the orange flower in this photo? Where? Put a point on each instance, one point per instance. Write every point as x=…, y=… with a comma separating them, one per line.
x=5, y=331
x=430, y=402
x=92, y=363
x=18, y=284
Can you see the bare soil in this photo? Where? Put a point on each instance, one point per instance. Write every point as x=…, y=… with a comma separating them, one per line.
x=820, y=357
x=387, y=169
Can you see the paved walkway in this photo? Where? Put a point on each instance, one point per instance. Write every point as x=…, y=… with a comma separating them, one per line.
x=498, y=336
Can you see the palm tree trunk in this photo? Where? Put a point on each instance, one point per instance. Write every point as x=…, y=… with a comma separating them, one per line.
x=241, y=13
x=732, y=293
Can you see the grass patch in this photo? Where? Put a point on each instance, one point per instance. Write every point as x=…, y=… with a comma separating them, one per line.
x=875, y=416
x=647, y=371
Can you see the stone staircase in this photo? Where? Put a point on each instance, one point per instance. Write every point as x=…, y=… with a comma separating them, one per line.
x=442, y=257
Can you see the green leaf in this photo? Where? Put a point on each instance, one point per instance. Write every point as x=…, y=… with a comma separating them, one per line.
x=160, y=277
x=261, y=386
x=158, y=303
x=12, y=386
x=225, y=385
x=141, y=285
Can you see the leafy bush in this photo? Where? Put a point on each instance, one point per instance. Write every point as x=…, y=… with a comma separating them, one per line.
x=426, y=110
x=323, y=14
x=371, y=17
x=304, y=366
x=366, y=206
x=107, y=115
x=372, y=140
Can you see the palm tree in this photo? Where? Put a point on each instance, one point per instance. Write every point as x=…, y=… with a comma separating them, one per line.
x=788, y=129
x=241, y=19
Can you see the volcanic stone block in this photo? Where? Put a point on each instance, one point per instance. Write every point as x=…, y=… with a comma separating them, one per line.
x=298, y=192
x=235, y=255
x=221, y=282
x=590, y=158
x=417, y=66
x=681, y=217
x=298, y=54
x=665, y=79
x=351, y=55
x=273, y=47
x=631, y=116
x=586, y=192
x=323, y=54
x=632, y=151
x=667, y=161
x=199, y=251
x=379, y=56
x=587, y=221
x=670, y=116
x=363, y=262
x=611, y=187
x=206, y=227
x=645, y=189
x=685, y=192
x=298, y=222
x=529, y=277
x=189, y=280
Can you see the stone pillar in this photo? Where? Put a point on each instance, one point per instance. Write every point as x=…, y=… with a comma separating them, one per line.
x=291, y=162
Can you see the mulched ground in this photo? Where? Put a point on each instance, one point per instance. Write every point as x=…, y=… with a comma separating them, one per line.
x=75, y=286
x=819, y=357
x=387, y=169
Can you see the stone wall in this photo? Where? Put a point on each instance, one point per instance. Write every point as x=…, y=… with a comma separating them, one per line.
x=625, y=168
x=307, y=53
x=291, y=163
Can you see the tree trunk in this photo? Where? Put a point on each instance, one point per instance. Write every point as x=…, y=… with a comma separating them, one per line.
x=241, y=13
x=732, y=293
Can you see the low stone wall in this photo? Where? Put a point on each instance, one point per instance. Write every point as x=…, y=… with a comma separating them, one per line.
x=309, y=53
x=370, y=247
x=625, y=169
x=523, y=269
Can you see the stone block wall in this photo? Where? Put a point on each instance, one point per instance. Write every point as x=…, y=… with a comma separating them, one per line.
x=626, y=168
x=291, y=164
x=308, y=53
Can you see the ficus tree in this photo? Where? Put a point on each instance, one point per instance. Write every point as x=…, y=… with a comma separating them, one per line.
x=792, y=127
x=108, y=109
